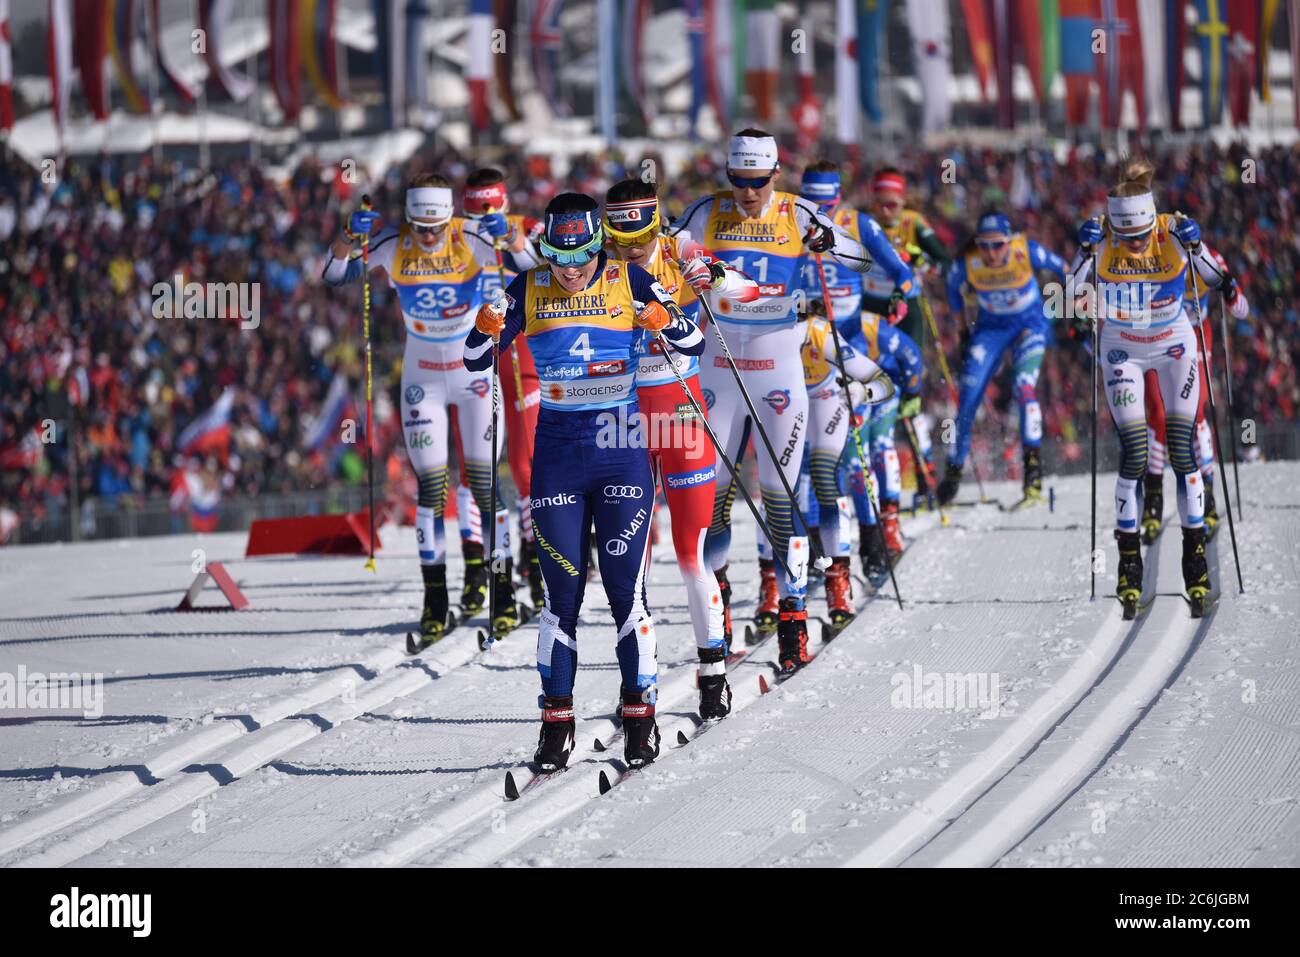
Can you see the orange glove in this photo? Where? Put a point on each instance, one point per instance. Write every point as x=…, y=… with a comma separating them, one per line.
x=653, y=317
x=489, y=321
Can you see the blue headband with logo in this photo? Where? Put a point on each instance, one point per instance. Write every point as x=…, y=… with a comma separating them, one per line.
x=822, y=188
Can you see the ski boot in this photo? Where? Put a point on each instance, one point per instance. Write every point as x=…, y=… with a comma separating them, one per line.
x=436, y=618
x=948, y=487
x=724, y=588
x=893, y=537
x=792, y=636
x=555, y=742
x=839, y=593
x=1153, y=507
x=532, y=569
x=505, y=610
x=816, y=577
x=1033, y=478
x=1196, y=574
x=875, y=558
x=640, y=732
x=1129, y=588
x=1211, y=513
x=715, y=693
x=474, y=591
x=765, y=616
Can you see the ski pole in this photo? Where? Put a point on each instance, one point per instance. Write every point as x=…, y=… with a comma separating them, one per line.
x=853, y=425
x=370, y=433
x=819, y=560
x=1214, y=415
x=910, y=431
x=947, y=378
x=1227, y=382
x=1096, y=346
x=492, y=484
x=717, y=446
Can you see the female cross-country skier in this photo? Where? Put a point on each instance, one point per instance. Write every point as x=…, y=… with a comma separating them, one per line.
x=435, y=262
x=683, y=460
x=584, y=314
x=1142, y=259
x=998, y=268
x=763, y=233
x=1153, y=508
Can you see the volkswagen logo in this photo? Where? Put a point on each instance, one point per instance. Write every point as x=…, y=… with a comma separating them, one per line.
x=624, y=491
x=414, y=395
x=616, y=547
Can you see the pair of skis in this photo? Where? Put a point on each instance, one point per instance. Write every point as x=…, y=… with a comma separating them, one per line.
x=457, y=616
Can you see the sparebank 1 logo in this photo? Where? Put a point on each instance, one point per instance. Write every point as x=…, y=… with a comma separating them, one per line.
x=479, y=387
x=778, y=399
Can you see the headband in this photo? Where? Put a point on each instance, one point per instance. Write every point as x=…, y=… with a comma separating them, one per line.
x=633, y=219
x=428, y=204
x=821, y=187
x=889, y=183
x=481, y=200
x=1131, y=215
x=752, y=152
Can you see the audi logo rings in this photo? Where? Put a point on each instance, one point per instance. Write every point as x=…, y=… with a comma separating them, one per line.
x=624, y=491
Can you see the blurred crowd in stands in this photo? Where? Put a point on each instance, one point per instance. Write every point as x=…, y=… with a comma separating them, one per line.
x=83, y=357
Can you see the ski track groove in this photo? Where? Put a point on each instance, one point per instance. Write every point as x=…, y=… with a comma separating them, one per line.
x=273, y=734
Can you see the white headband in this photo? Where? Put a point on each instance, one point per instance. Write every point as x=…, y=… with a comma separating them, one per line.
x=429, y=204
x=1131, y=215
x=751, y=152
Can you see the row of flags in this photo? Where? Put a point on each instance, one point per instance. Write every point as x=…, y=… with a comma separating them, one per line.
x=1103, y=50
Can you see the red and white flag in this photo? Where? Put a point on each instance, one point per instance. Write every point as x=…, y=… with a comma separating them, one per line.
x=807, y=109
x=90, y=50
x=762, y=56
x=932, y=54
x=6, y=71
x=478, y=63
x=847, y=117
x=58, y=54
x=214, y=16
x=284, y=24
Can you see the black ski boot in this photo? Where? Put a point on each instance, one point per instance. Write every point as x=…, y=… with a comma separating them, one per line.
x=1211, y=513
x=533, y=569
x=1196, y=574
x=640, y=732
x=875, y=559
x=1129, y=588
x=948, y=487
x=555, y=743
x=724, y=587
x=715, y=693
x=435, y=619
x=792, y=635
x=505, y=611
x=474, y=592
x=1153, y=506
x=1033, y=478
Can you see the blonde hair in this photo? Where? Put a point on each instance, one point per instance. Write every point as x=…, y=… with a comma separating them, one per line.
x=428, y=179
x=1136, y=174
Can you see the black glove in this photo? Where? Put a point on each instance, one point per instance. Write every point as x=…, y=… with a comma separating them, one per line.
x=820, y=238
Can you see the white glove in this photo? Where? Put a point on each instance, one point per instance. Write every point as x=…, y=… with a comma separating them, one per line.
x=880, y=389
x=698, y=274
x=1238, y=305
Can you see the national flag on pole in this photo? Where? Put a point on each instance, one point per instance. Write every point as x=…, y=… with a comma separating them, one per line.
x=58, y=55
x=478, y=63
x=1078, y=18
x=546, y=47
x=871, y=24
x=607, y=42
x=1004, y=56
x=1175, y=71
x=763, y=61
x=390, y=24
x=317, y=50
x=507, y=12
x=932, y=56
x=6, y=71
x=1243, y=54
x=1120, y=67
x=719, y=30
x=1049, y=22
x=210, y=432
x=324, y=430
x=1267, y=16
x=90, y=48
x=214, y=17
x=847, y=114
x=1212, y=42
x=632, y=28
x=183, y=89
x=807, y=109
x=284, y=27
x=418, y=14
x=975, y=20
x=1029, y=30
x=699, y=68
x=121, y=34
x=1154, y=31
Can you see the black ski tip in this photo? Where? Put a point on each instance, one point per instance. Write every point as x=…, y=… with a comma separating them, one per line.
x=1130, y=610
x=512, y=789
x=605, y=783
x=484, y=640
x=598, y=745
x=412, y=643
x=682, y=739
